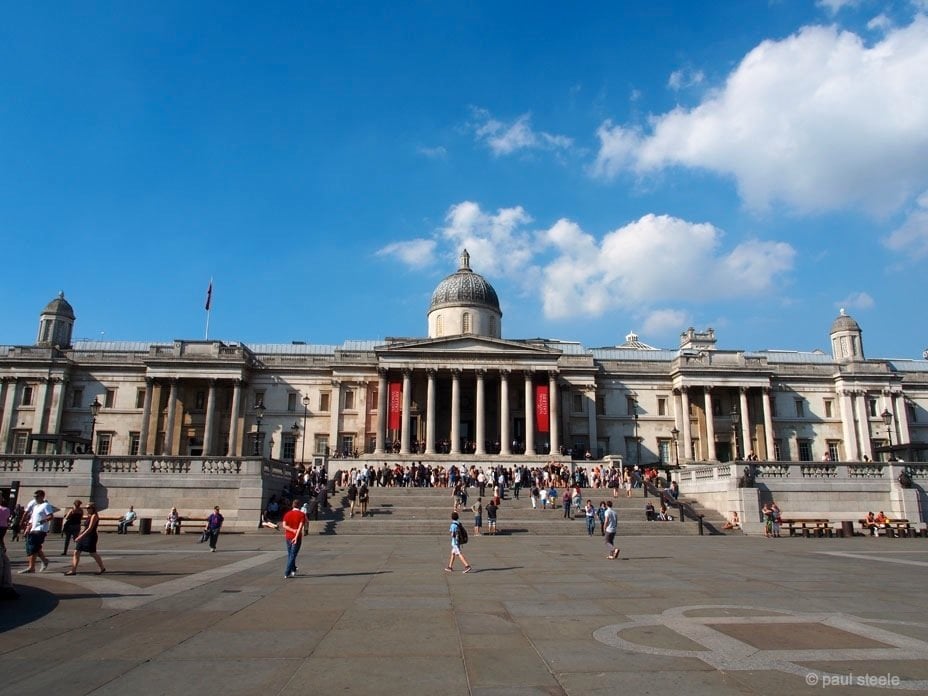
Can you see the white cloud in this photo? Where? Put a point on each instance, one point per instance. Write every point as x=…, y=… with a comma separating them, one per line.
x=637, y=267
x=652, y=260
x=880, y=23
x=507, y=138
x=833, y=7
x=912, y=236
x=414, y=252
x=856, y=300
x=685, y=77
x=818, y=120
x=662, y=322
x=496, y=242
x=437, y=152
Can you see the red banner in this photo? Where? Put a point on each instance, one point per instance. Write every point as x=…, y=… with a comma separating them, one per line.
x=541, y=407
x=396, y=405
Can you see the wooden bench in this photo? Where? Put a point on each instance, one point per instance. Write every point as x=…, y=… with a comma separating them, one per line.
x=900, y=528
x=110, y=523
x=199, y=521
x=807, y=527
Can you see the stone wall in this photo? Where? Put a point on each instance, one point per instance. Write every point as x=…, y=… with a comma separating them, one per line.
x=239, y=486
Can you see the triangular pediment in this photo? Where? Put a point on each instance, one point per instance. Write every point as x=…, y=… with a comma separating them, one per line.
x=466, y=345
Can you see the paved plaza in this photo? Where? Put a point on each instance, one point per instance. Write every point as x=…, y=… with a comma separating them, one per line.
x=539, y=615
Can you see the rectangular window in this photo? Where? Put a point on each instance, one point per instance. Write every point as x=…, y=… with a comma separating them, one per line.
x=913, y=413
x=871, y=406
x=135, y=440
x=834, y=450
x=349, y=399
x=347, y=443
x=288, y=450
x=829, y=408
x=631, y=405
x=374, y=401
x=773, y=407
x=140, y=398
x=664, y=449
x=20, y=441
x=321, y=444
x=77, y=398
x=324, y=398
x=104, y=442
x=800, y=412
x=632, y=449
x=662, y=405
x=259, y=398
x=778, y=450
x=27, y=395
x=109, y=399
x=600, y=405
x=291, y=401
x=578, y=403
x=805, y=450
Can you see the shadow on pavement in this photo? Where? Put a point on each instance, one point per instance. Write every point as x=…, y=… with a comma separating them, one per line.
x=33, y=604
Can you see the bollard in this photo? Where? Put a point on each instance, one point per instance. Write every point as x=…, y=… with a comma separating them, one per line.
x=700, y=526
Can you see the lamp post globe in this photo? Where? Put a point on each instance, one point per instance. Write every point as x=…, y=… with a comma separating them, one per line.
x=305, y=413
x=887, y=417
x=259, y=416
x=94, y=412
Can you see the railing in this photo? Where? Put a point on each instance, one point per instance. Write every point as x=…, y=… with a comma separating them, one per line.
x=25, y=463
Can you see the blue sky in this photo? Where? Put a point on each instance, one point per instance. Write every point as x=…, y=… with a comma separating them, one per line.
x=611, y=167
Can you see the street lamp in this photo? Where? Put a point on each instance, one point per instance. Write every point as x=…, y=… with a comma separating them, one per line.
x=305, y=413
x=94, y=412
x=295, y=430
x=675, y=434
x=888, y=422
x=259, y=416
x=735, y=419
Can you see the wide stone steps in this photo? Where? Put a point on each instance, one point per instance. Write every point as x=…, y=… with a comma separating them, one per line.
x=427, y=511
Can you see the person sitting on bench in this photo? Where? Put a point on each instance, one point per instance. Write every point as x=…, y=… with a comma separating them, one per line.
x=126, y=521
x=172, y=524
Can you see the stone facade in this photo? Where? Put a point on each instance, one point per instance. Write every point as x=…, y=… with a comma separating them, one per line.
x=461, y=391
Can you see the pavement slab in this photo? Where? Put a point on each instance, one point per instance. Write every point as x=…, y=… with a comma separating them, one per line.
x=377, y=614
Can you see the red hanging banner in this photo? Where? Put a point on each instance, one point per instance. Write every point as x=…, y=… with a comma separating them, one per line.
x=541, y=407
x=396, y=405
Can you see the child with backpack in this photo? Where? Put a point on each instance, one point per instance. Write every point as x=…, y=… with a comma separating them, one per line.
x=458, y=539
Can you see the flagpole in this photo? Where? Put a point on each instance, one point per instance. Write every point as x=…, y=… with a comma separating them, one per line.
x=209, y=306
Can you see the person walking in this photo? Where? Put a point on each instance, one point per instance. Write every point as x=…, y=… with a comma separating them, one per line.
x=86, y=541
x=565, y=502
x=352, y=498
x=294, y=522
x=38, y=515
x=458, y=536
x=71, y=525
x=492, y=508
x=610, y=525
x=213, y=526
x=590, y=512
x=363, y=497
x=477, y=509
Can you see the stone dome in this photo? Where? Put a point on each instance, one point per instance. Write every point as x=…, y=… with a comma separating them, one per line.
x=59, y=307
x=844, y=322
x=465, y=288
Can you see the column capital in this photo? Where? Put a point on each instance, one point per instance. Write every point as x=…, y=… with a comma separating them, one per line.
x=456, y=372
x=335, y=382
x=431, y=371
x=481, y=372
x=382, y=372
x=504, y=372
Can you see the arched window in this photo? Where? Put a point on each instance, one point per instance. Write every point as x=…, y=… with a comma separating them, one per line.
x=465, y=323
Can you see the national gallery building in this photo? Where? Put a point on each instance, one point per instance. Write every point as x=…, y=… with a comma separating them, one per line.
x=462, y=393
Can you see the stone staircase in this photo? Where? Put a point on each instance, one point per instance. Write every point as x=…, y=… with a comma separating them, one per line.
x=427, y=511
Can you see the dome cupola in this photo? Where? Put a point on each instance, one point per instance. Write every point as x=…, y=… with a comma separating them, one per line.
x=464, y=303
x=56, y=322
x=846, y=339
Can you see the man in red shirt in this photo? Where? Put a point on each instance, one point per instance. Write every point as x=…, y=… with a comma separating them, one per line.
x=293, y=523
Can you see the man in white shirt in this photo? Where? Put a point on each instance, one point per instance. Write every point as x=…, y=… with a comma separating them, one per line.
x=122, y=527
x=610, y=523
x=39, y=514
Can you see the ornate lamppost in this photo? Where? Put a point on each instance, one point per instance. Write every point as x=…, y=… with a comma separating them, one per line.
x=295, y=431
x=259, y=416
x=305, y=414
x=735, y=419
x=94, y=412
x=675, y=434
x=887, y=417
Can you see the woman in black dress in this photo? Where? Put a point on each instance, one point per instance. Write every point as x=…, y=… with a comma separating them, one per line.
x=86, y=541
